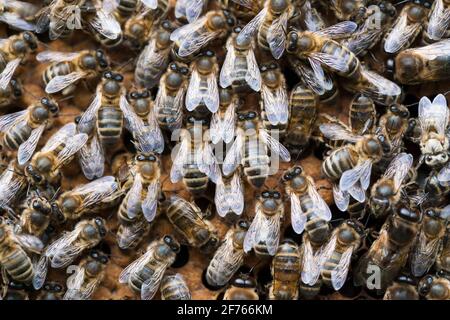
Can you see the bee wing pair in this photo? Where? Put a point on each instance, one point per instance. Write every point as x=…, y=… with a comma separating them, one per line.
x=234, y=155
x=434, y=116
x=263, y=229
x=227, y=257
x=378, y=86
x=398, y=169
x=276, y=103
x=195, y=95
x=92, y=158
x=191, y=9
x=10, y=184
x=131, y=233
x=223, y=128
x=312, y=75
x=424, y=254
x=439, y=20
x=162, y=100
x=97, y=190
x=77, y=288
x=228, y=75
x=148, y=205
x=229, y=198
x=401, y=33
x=8, y=72
x=105, y=22
x=15, y=20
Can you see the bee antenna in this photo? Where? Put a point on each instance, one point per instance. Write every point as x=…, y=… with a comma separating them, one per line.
x=12, y=170
x=123, y=65
x=253, y=267
x=65, y=98
x=54, y=195
x=401, y=2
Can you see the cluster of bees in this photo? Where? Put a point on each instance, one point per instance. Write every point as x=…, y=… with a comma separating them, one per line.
x=256, y=76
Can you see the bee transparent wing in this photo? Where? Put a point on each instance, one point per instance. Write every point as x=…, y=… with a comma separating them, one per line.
x=439, y=20
x=133, y=122
x=269, y=233
x=434, y=50
x=220, y=198
x=97, y=190
x=228, y=256
x=43, y=20
x=255, y=227
x=64, y=250
x=339, y=273
x=341, y=198
x=444, y=174
x=8, y=72
x=330, y=61
x=69, y=17
x=400, y=34
x=150, y=203
x=194, y=42
x=151, y=285
x=319, y=76
x=134, y=197
x=274, y=145
x=231, y=199
x=253, y=26
x=362, y=40
x=152, y=139
x=152, y=4
x=339, y=30
x=40, y=272
x=87, y=120
x=379, y=86
x=131, y=234
x=10, y=120
x=106, y=24
x=298, y=217
x=30, y=242
x=360, y=173
x=335, y=131
x=311, y=271
x=88, y=290
x=92, y=159
x=193, y=95
x=276, y=35
x=325, y=252
x=216, y=128
x=237, y=197
x=194, y=10
x=234, y=155
x=73, y=145
x=227, y=71
x=424, y=255
x=252, y=76
x=208, y=164
x=229, y=123
x=61, y=136
x=27, y=148
x=137, y=264
x=16, y=21
x=59, y=83
x=188, y=29
x=322, y=210
x=245, y=3
x=9, y=185
x=211, y=96
x=177, y=171
x=56, y=56
x=20, y=6
x=398, y=168
x=276, y=104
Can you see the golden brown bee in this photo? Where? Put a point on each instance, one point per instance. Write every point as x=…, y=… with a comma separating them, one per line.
x=22, y=130
x=285, y=272
x=387, y=191
x=434, y=287
x=17, y=14
x=308, y=210
x=170, y=97
x=84, y=198
x=429, y=241
x=14, y=259
x=11, y=93
x=137, y=30
x=394, y=124
x=243, y=287
x=438, y=25
x=173, y=287
x=250, y=149
x=362, y=114
x=87, y=276
x=189, y=221
x=303, y=104
x=406, y=27
x=354, y=10
x=191, y=38
x=403, y=288
x=144, y=275
x=229, y=257
x=63, y=251
x=423, y=64
x=51, y=291
x=154, y=58
x=69, y=68
x=263, y=235
x=36, y=214
x=59, y=150
x=389, y=252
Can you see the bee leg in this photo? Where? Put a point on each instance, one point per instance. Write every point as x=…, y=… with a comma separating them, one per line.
x=4, y=277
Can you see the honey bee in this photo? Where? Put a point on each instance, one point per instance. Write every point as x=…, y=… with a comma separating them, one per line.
x=320, y=50
x=350, y=164
x=131, y=234
x=387, y=191
x=264, y=233
x=362, y=114
x=389, y=252
x=438, y=23
x=173, y=287
x=406, y=27
x=303, y=105
x=223, y=122
x=11, y=93
x=194, y=36
x=63, y=251
x=154, y=58
x=229, y=257
x=36, y=214
x=371, y=31
x=12, y=184
x=91, y=158
x=14, y=253
x=203, y=89
x=104, y=25
x=435, y=189
x=22, y=130
x=189, y=221
x=87, y=197
x=430, y=240
x=51, y=291
x=270, y=24
x=170, y=97
x=229, y=196
x=240, y=68
x=434, y=287
x=354, y=10
x=59, y=150
x=144, y=275
x=68, y=68
x=285, y=272
x=274, y=96
x=137, y=30
x=243, y=287
x=190, y=10
x=311, y=282
x=14, y=51
x=87, y=276
x=17, y=14
x=403, y=288
x=250, y=149
x=394, y=124
x=194, y=162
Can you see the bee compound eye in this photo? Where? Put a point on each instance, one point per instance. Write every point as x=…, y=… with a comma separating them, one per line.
x=276, y=195
x=265, y=194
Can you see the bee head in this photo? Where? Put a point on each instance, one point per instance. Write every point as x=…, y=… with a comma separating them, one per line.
x=51, y=105
x=101, y=226
x=244, y=281
x=171, y=243
x=229, y=18
x=424, y=3
x=99, y=256
x=206, y=61
x=292, y=41
x=101, y=58
x=146, y=163
x=425, y=285
x=16, y=88
x=350, y=231
x=372, y=147
x=248, y=120
x=112, y=82
x=409, y=214
x=57, y=213
x=33, y=173
x=387, y=8
x=270, y=200
x=30, y=40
